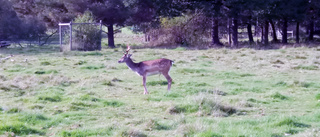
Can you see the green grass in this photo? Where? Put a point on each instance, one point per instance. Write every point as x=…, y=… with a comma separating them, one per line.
x=215, y=93
x=19, y=129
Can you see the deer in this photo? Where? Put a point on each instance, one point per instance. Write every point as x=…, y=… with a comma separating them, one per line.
x=148, y=68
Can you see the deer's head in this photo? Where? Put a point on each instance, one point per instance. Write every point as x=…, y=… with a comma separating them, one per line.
x=125, y=56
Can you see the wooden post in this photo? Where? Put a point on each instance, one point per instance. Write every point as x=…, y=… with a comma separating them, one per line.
x=60, y=37
x=99, y=48
x=70, y=36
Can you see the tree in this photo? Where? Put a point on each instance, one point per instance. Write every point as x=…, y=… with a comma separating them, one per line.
x=86, y=37
x=111, y=12
x=50, y=12
x=287, y=11
x=14, y=28
x=234, y=7
x=250, y=11
x=213, y=10
x=313, y=12
x=143, y=16
x=9, y=23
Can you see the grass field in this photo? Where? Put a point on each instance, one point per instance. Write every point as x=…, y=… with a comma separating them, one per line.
x=216, y=93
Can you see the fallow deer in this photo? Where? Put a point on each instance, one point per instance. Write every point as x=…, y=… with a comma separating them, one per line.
x=147, y=68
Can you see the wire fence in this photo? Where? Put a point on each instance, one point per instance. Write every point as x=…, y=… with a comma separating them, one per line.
x=80, y=36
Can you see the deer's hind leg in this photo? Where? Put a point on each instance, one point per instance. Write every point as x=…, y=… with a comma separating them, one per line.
x=169, y=79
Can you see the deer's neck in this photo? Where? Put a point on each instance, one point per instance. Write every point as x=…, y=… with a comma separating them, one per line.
x=133, y=66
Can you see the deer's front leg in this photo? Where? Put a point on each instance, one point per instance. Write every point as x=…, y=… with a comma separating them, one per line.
x=144, y=79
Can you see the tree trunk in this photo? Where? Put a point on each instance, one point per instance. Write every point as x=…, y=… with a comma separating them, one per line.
x=266, y=33
x=262, y=34
x=145, y=37
x=234, y=33
x=274, y=32
x=229, y=32
x=311, y=30
x=110, y=36
x=249, y=29
x=297, y=33
x=215, y=33
x=284, y=31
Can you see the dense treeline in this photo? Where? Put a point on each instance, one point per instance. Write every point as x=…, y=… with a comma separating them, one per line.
x=181, y=22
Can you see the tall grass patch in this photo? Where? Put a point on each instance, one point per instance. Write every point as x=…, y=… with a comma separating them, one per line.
x=88, y=132
x=32, y=119
x=204, y=106
x=19, y=129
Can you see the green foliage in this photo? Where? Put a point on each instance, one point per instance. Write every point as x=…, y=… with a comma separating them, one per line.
x=86, y=37
x=187, y=30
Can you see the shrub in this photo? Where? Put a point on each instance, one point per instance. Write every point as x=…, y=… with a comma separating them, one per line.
x=188, y=30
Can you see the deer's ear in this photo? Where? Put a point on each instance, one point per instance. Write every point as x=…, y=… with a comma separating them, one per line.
x=129, y=55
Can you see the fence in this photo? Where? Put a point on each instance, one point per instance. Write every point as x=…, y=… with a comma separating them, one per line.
x=80, y=36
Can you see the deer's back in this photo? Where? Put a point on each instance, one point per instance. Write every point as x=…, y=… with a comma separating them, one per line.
x=157, y=65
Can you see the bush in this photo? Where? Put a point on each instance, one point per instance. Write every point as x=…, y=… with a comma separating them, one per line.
x=85, y=37
x=189, y=30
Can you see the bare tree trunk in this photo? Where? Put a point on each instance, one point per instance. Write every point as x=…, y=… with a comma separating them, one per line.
x=266, y=33
x=249, y=29
x=235, y=33
x=284, y=31
x=297, y=33
x=215, y=33
x=110, y=36
x=274, y=33
x=311, y=30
